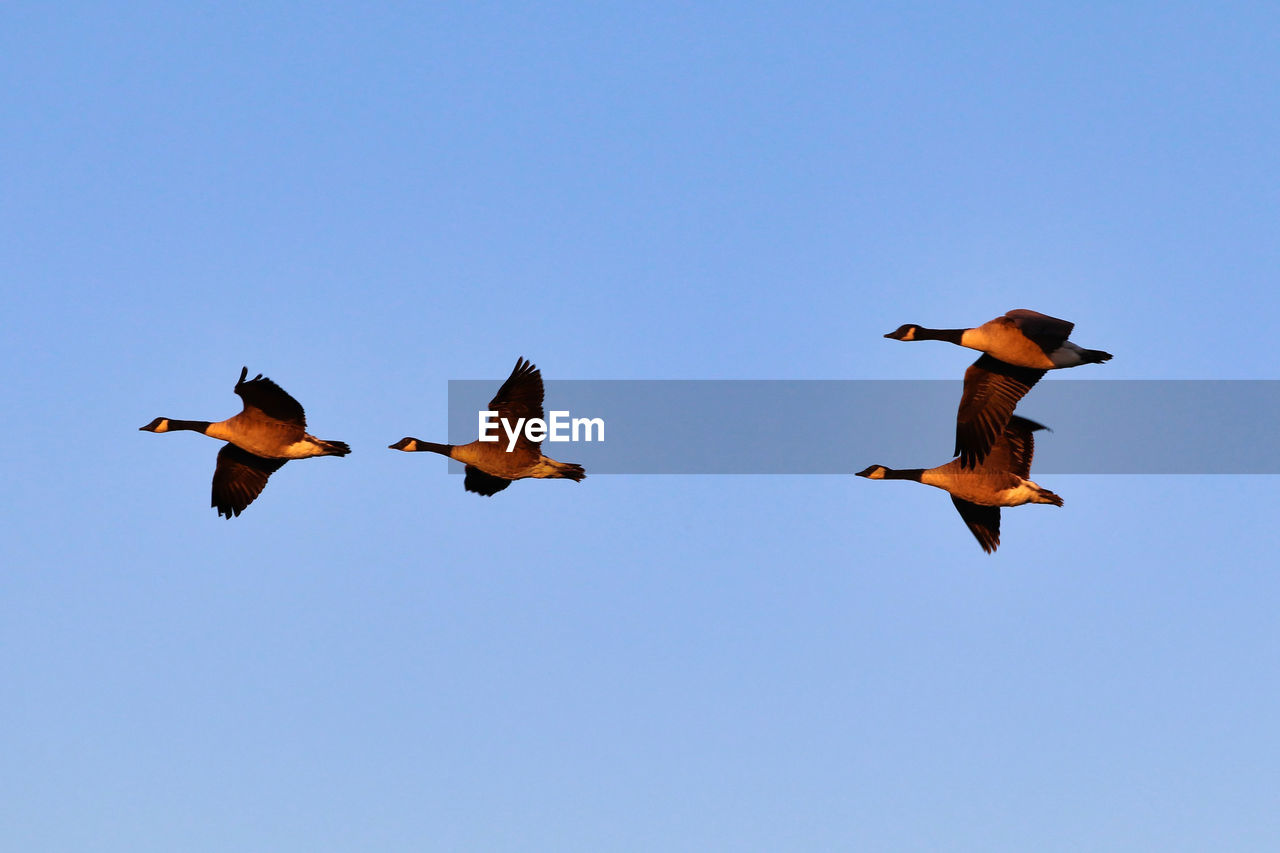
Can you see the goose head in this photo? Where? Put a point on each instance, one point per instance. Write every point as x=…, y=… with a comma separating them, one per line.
x=406, y=444
x=875, y=472
x=158, y=425
x=905, y=332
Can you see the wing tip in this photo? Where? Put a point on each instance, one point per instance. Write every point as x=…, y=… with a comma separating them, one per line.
x=1021, y=423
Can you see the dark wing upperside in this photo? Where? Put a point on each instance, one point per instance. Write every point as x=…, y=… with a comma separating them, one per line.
x=521, y=394
x=1014, y=451
x=269, y=398
x=992, y=389
x=983, y=522
x=483, y=484
x=520, y=397
x=239, y=478
x=1048, y=333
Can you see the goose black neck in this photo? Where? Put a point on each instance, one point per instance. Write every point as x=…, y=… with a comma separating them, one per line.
x=904, y=474
x=948, y=335
x=194, y=426
x=432, y=447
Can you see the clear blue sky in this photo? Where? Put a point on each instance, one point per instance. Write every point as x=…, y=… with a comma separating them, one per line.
x=363, y=204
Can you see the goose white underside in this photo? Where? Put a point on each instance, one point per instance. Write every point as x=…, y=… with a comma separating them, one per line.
x=1067, y=355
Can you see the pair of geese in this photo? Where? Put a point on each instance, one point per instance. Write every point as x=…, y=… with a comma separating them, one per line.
x=993, y=445
x=272, y=429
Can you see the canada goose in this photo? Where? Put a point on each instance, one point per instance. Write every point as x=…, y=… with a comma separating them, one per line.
x=268, y=432
x=978, y=493
x=490, y=466
x=1018, y=348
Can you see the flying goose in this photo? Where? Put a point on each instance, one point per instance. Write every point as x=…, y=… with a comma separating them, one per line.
x=268, y=432
x=1017, y=350
x=490, y=467
x=978, y=493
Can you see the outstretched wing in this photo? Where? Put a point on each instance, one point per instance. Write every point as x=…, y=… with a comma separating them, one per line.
x=1048, y=333
x=269, y=398
x=239, y=478
x=483, y=484
x=1015, y=448
x=992, y=389
x=520, y=397
x=983, y=522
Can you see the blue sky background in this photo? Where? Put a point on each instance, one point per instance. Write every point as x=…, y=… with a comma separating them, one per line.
x=363, y=204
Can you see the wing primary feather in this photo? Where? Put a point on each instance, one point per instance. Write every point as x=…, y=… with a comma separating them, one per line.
x=239, y=478
x=269, y=398
x=983, y=522
x=992, y=389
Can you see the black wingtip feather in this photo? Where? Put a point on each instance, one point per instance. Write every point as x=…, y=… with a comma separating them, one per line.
x=1017, y=421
